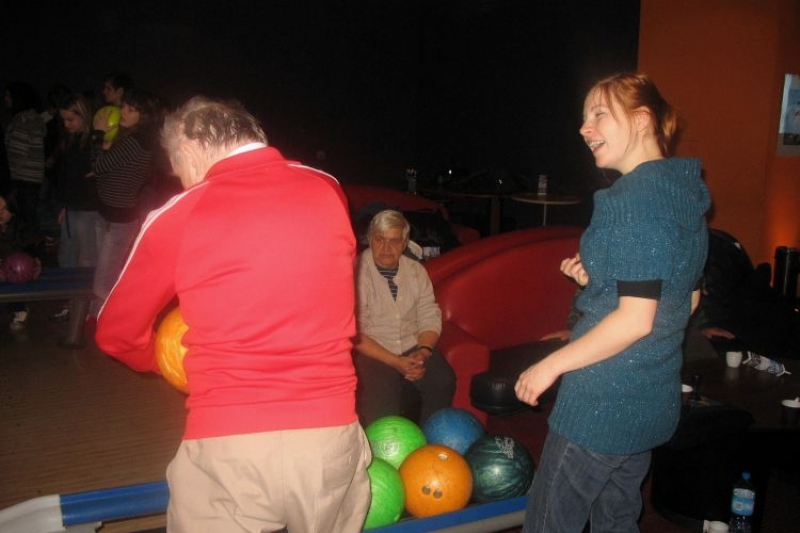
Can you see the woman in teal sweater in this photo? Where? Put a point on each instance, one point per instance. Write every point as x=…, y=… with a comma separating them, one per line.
x=639, y=264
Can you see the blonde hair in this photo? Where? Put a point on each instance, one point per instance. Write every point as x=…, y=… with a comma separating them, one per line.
x=634, y=91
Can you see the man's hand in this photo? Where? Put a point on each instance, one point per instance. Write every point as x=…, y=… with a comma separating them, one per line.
x=710, y=333
x=412, y=367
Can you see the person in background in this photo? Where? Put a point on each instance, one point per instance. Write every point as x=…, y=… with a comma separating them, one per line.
x=24, y=140
x=82, y=227
x=399, y=323
x=15, y=236
x=272, y=438
x=115, y=85
x=53, y=141
x=640, y=262
x=120, y=173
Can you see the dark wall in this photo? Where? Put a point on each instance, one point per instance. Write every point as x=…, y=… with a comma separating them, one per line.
x=362, y=88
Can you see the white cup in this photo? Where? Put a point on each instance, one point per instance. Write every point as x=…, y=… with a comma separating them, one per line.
x=686, y=392
x=733, y=359
x=717, y=527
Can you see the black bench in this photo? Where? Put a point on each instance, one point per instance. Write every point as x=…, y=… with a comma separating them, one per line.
x=74, y=284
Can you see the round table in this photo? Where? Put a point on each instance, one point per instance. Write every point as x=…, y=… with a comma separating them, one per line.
x=544, y=200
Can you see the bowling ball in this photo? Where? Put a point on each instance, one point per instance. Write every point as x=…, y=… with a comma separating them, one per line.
x=501, y=468
x=113, y=114
x=453, y=427
x=170, y=350
x=392, y=438
x=437, y=480
x=19, y=267
x=388, y=497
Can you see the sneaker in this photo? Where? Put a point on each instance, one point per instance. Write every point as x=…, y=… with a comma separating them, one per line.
x=20, y=317
x=60, y=316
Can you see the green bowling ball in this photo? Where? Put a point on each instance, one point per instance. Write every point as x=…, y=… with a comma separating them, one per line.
x=392, y=438
x=388, y=495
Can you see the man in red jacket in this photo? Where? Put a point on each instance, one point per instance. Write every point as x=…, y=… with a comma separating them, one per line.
x=260, y=253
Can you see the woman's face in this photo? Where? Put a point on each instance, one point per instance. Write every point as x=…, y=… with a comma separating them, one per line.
x=129, y=116
x=73, y=122
x=5, y=214
x=609, y=136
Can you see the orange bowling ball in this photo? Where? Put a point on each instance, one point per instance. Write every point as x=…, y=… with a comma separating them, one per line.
x=170, y=351
x=436, y=479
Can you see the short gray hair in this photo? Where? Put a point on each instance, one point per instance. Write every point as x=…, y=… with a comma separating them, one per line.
x=386, y=219
x=216, y=126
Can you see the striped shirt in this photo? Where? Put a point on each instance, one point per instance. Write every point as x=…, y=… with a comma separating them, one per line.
x=25, y=146
x=121, y=173
x=389, y=274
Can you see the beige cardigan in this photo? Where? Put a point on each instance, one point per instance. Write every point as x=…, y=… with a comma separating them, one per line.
x=395, y=325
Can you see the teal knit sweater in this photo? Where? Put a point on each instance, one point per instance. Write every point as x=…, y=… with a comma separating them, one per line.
x=649, y=225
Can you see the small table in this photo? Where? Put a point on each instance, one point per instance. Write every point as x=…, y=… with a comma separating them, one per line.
x=694, y=473
x=755, y=391
x=544, y=200
x=495, y=206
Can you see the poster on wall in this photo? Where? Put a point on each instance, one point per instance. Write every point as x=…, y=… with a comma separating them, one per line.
x=789, y=128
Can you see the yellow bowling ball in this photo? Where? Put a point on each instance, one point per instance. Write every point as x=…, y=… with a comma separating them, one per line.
x=112, y=115
x=170, y=350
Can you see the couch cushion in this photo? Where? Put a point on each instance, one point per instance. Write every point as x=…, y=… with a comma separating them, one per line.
x=514, y=297
x=493, y=391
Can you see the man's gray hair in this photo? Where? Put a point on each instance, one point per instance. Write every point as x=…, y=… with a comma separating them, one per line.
x=216, y=126
x=386, y=219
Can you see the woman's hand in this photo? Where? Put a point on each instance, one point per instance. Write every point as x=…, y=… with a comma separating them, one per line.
x=534, y=381
x=573, y=268
x=62, y=215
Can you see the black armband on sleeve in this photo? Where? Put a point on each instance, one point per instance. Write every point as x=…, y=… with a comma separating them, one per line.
x=640, y=289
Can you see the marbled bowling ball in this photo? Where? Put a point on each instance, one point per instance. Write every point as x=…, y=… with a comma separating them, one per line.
x=501, y=468
x=19, y=267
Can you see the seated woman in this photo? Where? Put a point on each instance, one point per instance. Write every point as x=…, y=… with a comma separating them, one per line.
x=399, y=324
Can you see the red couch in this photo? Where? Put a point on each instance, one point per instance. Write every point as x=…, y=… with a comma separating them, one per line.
x=360, y=196
x=500, y=292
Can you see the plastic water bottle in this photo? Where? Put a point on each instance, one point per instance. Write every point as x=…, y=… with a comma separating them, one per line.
x=411, y=178
x=742, y=505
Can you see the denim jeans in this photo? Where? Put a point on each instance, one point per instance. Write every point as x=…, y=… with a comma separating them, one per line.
x=574, y=485
x=113, y=253
x=81, y=235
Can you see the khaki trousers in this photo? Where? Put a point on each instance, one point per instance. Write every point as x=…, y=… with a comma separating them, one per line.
x=304, y=481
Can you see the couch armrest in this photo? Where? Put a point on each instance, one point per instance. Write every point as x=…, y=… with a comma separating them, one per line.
x=467, y=356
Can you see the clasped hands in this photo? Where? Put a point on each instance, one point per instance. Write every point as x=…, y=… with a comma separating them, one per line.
x=412, y=366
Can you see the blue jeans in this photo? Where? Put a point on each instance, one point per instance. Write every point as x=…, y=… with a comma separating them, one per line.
x=574, y=485
x=114, y=250
x=81, y=235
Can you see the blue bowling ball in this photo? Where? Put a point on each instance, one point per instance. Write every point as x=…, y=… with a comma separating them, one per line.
x=453, y=427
